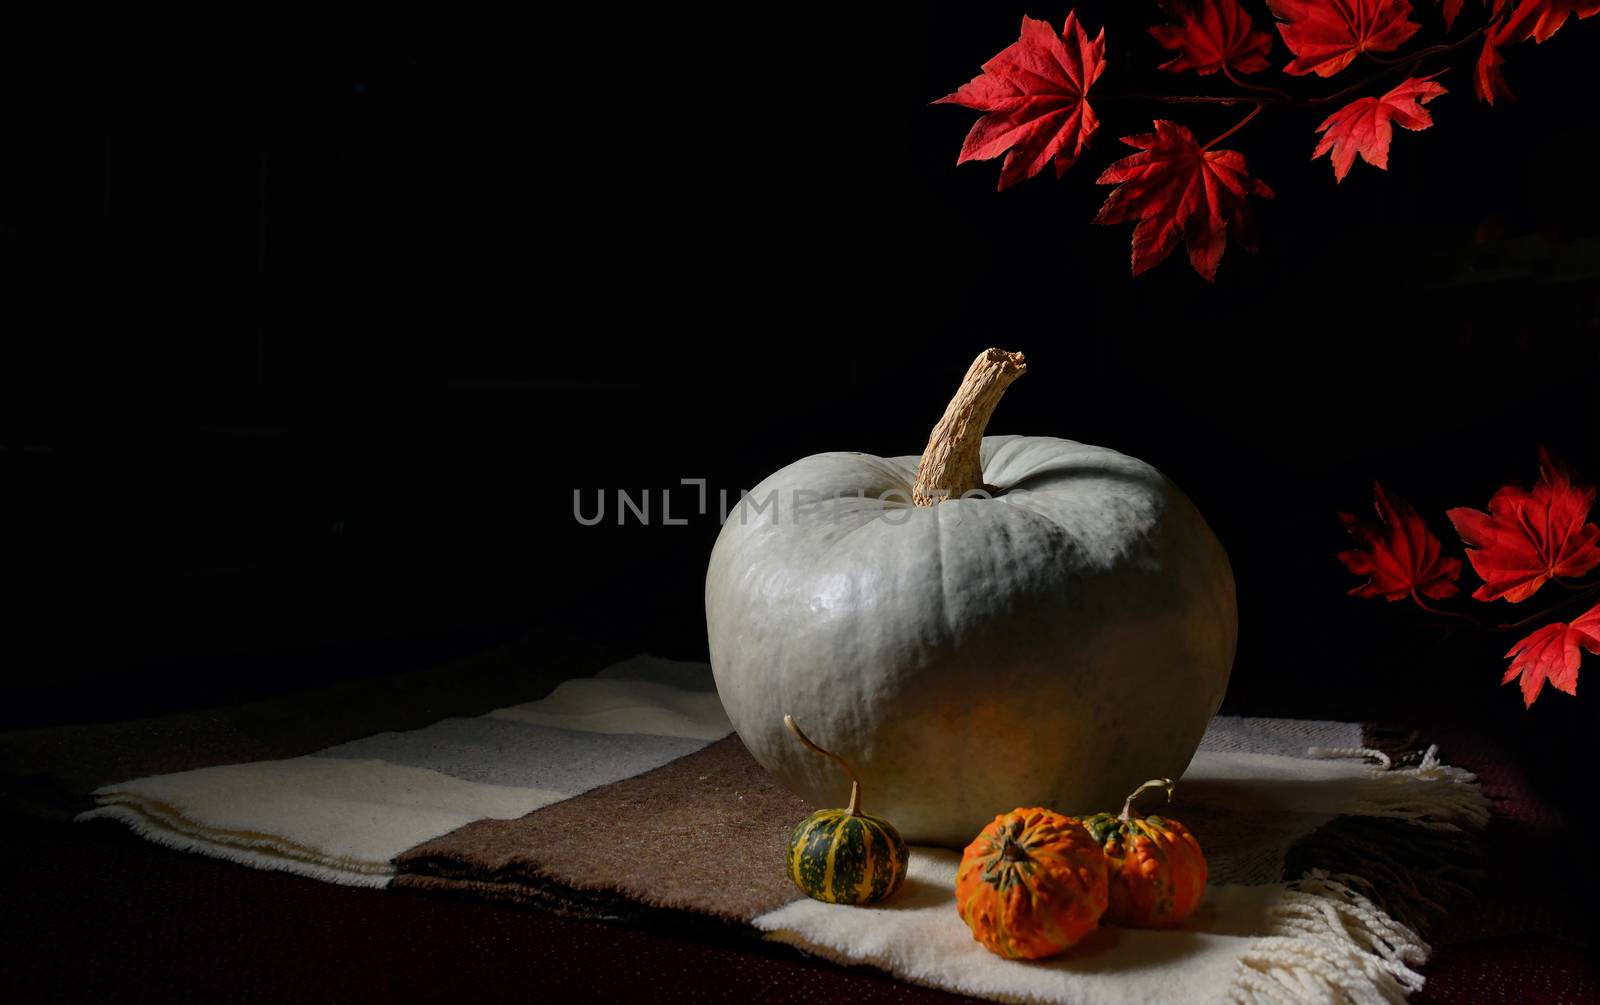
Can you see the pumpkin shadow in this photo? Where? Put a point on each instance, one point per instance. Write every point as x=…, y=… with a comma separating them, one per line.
x=1259, y=795
x=1112, y=950
x=916, y=895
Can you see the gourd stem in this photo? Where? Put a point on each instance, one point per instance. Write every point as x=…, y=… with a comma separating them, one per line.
x=1154, y=783
x=855, y=783
x=950, y=465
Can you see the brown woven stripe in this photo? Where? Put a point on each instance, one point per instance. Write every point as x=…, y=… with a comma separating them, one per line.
x=1416, y=874
x=1400, y=742
x=706, y=833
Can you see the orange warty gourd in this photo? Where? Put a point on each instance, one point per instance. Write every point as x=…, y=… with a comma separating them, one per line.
x=1031, y=884
x=1157, y=871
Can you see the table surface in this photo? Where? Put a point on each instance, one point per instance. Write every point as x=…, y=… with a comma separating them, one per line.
x=92, y=910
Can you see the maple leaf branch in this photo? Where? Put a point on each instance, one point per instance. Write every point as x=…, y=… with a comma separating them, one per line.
x=1192, y=99
x=1580, y=593
x=1273, y=96
x=1236, y=127
x=1246, y=85
x=1443, y=613
x=1432, y=50
x=1578, y=587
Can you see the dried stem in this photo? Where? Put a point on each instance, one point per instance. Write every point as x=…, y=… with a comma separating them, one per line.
x=1440, y=612
x=1154, y=783
x=1578, y=592
x=855, y=783
x=1247, y=85
x=1273, y=96
x=1582, y=594
x=950, y=465
x=1236, y=127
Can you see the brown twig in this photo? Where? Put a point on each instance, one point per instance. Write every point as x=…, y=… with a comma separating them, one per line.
x=1580, y=591
x=1236, y=127
x=1194, y=99
x=1273, y=96
x=1443, y=613
x=1591, y=590
x=1247, y=85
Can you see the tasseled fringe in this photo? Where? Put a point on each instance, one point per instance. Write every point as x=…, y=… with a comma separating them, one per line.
x=1432, y=795
x=1405, y=844
x=1329, y=753
x=1414, y=874
x=1329, y=944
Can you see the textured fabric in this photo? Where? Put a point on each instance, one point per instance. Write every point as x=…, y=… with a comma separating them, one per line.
x=343, y=814
x=921, y=938
x=101, y=916
x=626, y=706
x=51, y=772
x=679, y=673
x=513, y=753
x=1248, y=808
x=1285, y=737
x=312, y=815
x=703, y=833
x=1253, y=939
x=706, y=833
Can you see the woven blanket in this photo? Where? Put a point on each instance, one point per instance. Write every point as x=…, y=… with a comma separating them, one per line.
x=625, y=795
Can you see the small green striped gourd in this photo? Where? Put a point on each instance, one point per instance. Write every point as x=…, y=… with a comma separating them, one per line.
x=845, y=856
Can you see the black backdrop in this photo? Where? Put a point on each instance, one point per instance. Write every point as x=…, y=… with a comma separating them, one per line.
x=309, y=345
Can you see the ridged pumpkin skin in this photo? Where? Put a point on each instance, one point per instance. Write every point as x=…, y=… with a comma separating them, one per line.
x=1056, y=644
x=1031, y=884
x=1157, y=871
x=843, y=859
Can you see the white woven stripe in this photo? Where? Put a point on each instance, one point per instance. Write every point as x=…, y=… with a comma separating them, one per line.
x=343, y=819
x=347, y=816
x=625, y=706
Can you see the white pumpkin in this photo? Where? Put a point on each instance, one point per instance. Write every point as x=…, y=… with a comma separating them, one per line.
x=1054, y=645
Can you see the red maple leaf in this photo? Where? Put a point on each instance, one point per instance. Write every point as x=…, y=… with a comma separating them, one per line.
x=1212, y=35
x=1539, y=19
x=1174, y=188
x=1551, y=654
x=1363, y=126
x=1487, y=78
x=1399, y=554
x=1528, y=538
x=1524, y=19
x=1034, y=91
x=1325, y=35
x=1451, y=8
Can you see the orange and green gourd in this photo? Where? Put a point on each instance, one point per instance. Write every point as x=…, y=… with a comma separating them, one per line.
x=1031, y=884
x=845, y=856
x=1158, y=873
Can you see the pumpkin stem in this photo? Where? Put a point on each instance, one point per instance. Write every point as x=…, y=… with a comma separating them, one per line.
x=1012, y=850
x=855, y=783
x=950, y=466
x=1154, y=783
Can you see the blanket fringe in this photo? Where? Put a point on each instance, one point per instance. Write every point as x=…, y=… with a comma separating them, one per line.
x=1447, y=798
x=1329, y=944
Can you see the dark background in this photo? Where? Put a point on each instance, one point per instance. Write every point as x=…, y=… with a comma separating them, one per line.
x=307, y=346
